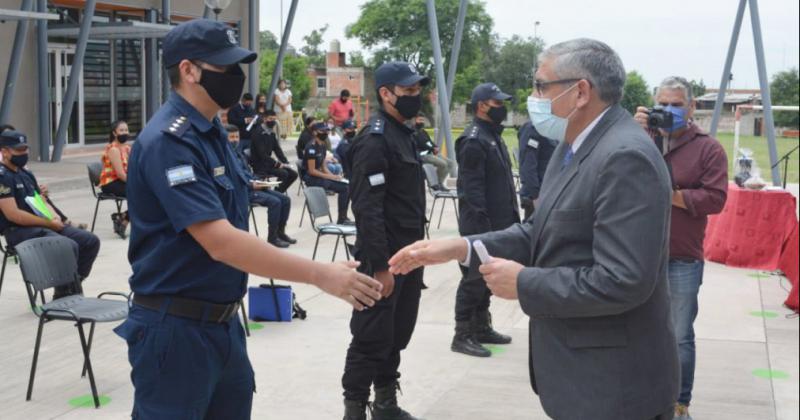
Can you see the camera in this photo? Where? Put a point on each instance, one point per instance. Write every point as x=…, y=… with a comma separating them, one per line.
x=658, y=117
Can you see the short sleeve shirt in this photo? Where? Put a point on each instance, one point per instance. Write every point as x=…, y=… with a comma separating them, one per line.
x=19, y=185
x=284, y=97
x=317, y=152
x=182, y=171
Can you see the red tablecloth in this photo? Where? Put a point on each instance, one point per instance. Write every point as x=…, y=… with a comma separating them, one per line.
x=789, y=265
x=752, y=229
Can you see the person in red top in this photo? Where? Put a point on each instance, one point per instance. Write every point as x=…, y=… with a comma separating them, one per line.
x=114, y=177
x=699, y=169
x=341, y=110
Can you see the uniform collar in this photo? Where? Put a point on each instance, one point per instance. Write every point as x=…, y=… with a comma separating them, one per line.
x=488, y=126
x=406, y=129
x=195, y=117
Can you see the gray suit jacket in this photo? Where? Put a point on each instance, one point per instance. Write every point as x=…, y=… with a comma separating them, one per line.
x=595, y=286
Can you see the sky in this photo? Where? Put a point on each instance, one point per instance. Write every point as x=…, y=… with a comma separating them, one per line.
x=688, y=38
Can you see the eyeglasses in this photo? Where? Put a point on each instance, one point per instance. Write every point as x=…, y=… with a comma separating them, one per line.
x=541, y=86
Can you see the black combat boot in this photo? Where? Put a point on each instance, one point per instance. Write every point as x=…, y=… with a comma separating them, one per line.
x=464, y=341
x=385, y=406
x=355, y=410
x=484, y=333
x=284, y=237
x=272, y=238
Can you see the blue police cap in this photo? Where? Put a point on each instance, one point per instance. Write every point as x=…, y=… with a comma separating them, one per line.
x=487, y=91
x=399, y=73
x=13, y=139
x=320, y=126
x=348, y=125
x=206, y=40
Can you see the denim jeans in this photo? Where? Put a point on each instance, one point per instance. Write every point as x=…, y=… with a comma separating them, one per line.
x=685, y=278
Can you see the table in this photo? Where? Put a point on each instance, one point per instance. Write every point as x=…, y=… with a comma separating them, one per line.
x=754, y=230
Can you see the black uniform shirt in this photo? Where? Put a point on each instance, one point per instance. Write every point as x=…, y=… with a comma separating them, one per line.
x=20, y=185
x=264, y=144
x=424, y=142
x=535, y=151
x=317, y=152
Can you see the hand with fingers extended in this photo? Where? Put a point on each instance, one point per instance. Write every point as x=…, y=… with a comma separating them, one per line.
x=430, y=252
x=387, y=281
x=344, y=282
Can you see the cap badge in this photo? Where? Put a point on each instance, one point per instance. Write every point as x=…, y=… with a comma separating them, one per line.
x=231, y=36
x=412, y=68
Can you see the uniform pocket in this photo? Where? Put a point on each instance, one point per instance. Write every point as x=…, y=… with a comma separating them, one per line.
x=132, y=331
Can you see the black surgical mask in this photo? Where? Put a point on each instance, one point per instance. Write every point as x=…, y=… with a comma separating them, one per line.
x=344, y=99
x=498, y=114
x=270, y=124
x=122, y=138
x=349, y=134
x=19, y=160
x=408, y=106
x=226, y=88
x=322, y=136
x=419, y=126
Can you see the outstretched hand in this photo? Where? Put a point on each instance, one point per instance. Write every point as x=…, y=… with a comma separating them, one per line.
x=357, y=289
x=422, y=253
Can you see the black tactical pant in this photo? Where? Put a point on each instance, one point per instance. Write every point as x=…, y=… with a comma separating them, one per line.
x=472, y=296
x=379, y=334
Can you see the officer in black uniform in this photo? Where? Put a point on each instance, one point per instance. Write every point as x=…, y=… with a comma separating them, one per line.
x=20, y=221
x=535, y=151
x=317, y=173
x=190, y=249
x=487, y=201
x=388, y=193
x=342, y=151
x=241, y=115
x=264, y=143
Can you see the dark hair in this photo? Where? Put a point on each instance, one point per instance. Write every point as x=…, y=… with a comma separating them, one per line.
x=282, y=81
x=230, y=128
x=4, y=127
x=174, y=75
x=260, y=96
x=247, y=97
x=378, y=92
x=309, y=120
x=345, y=92
x=270, y=113
x=114, y=126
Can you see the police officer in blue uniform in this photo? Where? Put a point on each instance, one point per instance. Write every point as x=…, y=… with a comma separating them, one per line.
x=190, y=248
x=487, y=202
x=535, y=151
x=388, y=192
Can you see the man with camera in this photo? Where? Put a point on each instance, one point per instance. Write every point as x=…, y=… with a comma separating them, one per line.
x=699, y=170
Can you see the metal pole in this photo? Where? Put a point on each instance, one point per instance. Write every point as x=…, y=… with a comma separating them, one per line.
x=166, y=18
x=206, y=12
x=441, y=83
x=74, y=77
x=766, y=99
x=152, y=98
x=252, y=22
x=16, y=62
x=453, y=65
x=281, y=53
x=43, y=108
x=737, y=26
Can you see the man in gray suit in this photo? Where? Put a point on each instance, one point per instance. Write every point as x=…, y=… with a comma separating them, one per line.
x=590, y=270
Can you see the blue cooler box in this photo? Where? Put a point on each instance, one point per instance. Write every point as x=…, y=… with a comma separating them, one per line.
x=262, y=302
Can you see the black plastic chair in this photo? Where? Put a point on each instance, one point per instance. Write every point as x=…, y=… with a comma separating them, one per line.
x=433, y=180
x=49, y=262
x=318, y=207
x=94, y=170
x=8, y=252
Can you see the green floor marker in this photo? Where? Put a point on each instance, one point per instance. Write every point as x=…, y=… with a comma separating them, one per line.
x=764, y=314
x=495, y=349
x=88, y=402
x=770, y=374
x=255, y=325
x=757, y=275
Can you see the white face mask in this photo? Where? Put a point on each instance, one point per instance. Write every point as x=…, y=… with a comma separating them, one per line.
x=551, y=126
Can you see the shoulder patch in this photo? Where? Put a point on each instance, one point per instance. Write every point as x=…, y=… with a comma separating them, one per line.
x=4, y=190
x=177, y=126
x=180, y=175
x=472, y=132
x=377, y=126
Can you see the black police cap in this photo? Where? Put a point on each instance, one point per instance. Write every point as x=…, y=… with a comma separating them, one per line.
x=487, y=91
x=206, y=40
x=399, y=73
x=13, y=139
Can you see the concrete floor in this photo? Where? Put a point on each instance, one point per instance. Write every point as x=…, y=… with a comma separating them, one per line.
x=299, y=364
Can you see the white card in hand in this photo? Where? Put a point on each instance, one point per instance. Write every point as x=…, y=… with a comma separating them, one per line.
x=480, y=249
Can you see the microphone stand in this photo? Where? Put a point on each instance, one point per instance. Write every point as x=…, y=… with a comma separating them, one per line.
x=785, y=160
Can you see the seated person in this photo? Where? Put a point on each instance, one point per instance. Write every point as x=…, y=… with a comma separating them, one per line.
x=305, y=136
x=114, y=176
x=334, y=136
x=349, y=133
x=318, y=174
x=278, y=204
x=264, y=143
x=19, y=222
x=429, y=153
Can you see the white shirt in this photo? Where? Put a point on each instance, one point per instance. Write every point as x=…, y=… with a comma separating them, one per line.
x=283, y=96
x=575, y=145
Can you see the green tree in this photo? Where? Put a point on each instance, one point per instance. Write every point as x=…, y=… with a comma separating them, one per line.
x=313, y=48
x=268, y=41
x=785, y=90
x=357, y=59
x=398, y=30
x=636, y=92
x=294, y=71
x=698, y=88
x=511, y=66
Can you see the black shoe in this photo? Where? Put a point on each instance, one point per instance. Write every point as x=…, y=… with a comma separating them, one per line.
x=355, y=410
x=272, y=238
x=119, y=225
x=464, y=342
x=483, y=331
x=284, y=237
x=346, y=222
x=385, y=406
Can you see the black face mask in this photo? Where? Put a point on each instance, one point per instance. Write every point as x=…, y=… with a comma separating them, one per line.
x=322, y=136
x=498, y=114
x=225, y=89
x=408, y=106
x=349, y=134
x=122, y=138
x=344, y=99
x=419, y=126
x=19, y=160
x=270, y=124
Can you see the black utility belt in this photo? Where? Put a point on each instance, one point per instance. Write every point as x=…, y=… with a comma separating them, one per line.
x=194, y=309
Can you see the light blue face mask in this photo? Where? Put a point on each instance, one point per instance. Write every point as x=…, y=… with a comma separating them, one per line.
x=546, y=123
x=678, y=117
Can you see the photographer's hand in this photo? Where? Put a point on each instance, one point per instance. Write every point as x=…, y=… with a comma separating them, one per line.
x=641, y=116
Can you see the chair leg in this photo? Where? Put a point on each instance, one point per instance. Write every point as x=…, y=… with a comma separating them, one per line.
x=441, y=213
x=433, y=207
x=88, y=365
x=336, y=248
x=255, y=224
x=244, y=318
x=316, y=245
x=94, y=219
x=455, y=207
x=35, y=358
x=91, y=335
x=303, y=213
x=346, y=248
x=3, y=272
